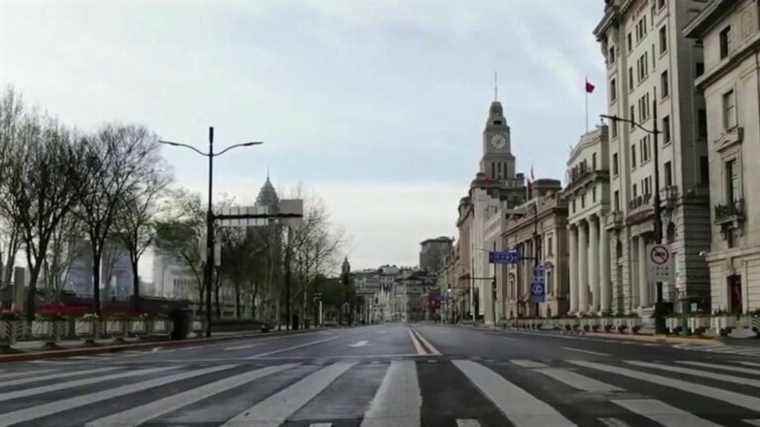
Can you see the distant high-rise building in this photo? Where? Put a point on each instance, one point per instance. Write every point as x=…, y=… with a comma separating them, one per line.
x=433, y=253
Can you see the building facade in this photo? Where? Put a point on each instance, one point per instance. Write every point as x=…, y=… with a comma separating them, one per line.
x=433, y=253
x=730, y=36
x=650, y=72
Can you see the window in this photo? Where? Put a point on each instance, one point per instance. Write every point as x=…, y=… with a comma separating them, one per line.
x=583, y=200
x=615, y=166
x=593, y=193
x=635, y=191
x=630, y=42
x=732, y=182
x=704, y=170
x=664, y=84
x=630, y=79
x=632, y=117
x=700, y=68
x=702, y=123
x=617, y=200
x=593, y=161
x=613, y=90
x=612, y=55
x=633, y=156
x=573, y=205
x=663, y=39
x=613, y=129
x=729, y=110
x=725, y=42
x=666, y=129
x=644, y=149
x=660, y=4
x=668, y=174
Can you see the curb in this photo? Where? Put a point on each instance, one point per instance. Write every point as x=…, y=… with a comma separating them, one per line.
x=54, y=354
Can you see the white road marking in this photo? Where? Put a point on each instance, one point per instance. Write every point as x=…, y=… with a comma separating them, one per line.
x=750, y=364
x=417, y=345
x=39, y=411
x=661, y=412
x=528, y=363
x=427, y=343
x=21, y=374
x=468, y=422
x=358, y=344
x=157, y=408
x=32, y=379
x=696, y=373
x=87, y=357
x=522, y=409
x=275, y=409
x=723, y=367
x=398, y=400
x=321, y=425
x=76, y=383
x=295, y=347
x=578, y=381
x=755, y=422
x=733, y=398
x=241, y=347
x=595, y=353
x=613, y=422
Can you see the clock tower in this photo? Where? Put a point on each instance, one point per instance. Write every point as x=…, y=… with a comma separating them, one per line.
x=497, y=162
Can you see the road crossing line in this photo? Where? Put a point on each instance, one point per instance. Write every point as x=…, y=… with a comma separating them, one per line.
x=468, y=422
x=723, y=367
x=417, y=346
x=528, y=364
x=163, y=406
x=77, y=383
x=750, y=364
x=21, y=374
x=54, y=376
x=696, y=373
x=613, y=422
x=661, y=412
x=275, y=410
x=359, y=344
x=733, y=398
x=398, y=399
x=295, y=347
x=55, y=407
x=522, y=409
x=242, y=347
x=578, y=381
x=595, y=353
x=755, y=422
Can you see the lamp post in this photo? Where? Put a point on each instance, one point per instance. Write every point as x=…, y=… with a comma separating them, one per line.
x=208, y=272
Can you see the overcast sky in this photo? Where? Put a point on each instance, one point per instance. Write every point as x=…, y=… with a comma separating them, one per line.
x=377, y=106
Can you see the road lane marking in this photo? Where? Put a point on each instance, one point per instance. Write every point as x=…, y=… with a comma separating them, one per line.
x=30, y=372
x=468, y=422
x=578, y=381
x=295, y=347
x=595, y=353
x=528, y=363
x=733, y=398
x=723, y=367
x=427, y=343
x=750, y=364
x=241, y=347
x=417, y=345
x=157, y=408
x=51, y=376
x=275, y=409
x=398, y=400
x=76, y=383
x=321, y=425
x=613, y=422
x=359, y=344
x=522, y=409
x=39, y=411
x=696, y=373
x=755, y=422
x=661, y=412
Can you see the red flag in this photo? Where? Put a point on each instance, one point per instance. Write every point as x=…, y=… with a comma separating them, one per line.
x=532, y=178
x=589, y=87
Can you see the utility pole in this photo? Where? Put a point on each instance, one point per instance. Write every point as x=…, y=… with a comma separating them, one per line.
x=209, y=231
x=289, y=321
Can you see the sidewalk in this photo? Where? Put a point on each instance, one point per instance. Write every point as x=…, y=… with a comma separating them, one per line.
x=33, y=350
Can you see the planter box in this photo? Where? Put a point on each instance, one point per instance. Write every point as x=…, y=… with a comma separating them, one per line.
x=722, y=325
x=84, y=328
x=42, y=329
x=9, y=332
x=115, y=327
x=698, y=324
x=137, y=327
x=160, y=327
x=675, y=324
x=197, y=326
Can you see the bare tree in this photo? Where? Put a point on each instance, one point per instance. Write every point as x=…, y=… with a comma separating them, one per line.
x=119, y=159
x=64, y=249
x=11, y=115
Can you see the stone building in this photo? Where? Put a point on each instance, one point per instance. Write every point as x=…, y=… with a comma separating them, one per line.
x=433, y=253
x=729, y=33
x=650, y=72
x=537, y=230
x=588, y=201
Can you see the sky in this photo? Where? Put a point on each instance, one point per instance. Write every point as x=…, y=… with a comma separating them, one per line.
x=376, y=106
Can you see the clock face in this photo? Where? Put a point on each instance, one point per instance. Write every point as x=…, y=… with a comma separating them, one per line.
x=498, y=141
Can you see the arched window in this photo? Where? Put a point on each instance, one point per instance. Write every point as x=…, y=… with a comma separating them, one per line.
x=671, y=233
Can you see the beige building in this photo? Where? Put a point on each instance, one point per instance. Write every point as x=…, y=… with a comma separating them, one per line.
x=588, y=200
x=728, y=30
x=536, y=229
x=650, y=73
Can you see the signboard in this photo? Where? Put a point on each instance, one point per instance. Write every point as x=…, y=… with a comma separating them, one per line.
x=244, y=222
x=291, y=206
x=659, y=263
x=538, y=286
x=504, y=257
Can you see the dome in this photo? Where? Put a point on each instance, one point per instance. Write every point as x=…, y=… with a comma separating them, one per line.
x=268, y=196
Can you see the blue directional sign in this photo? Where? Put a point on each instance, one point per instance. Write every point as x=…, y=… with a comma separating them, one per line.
x=538, y=286
x=504, y=257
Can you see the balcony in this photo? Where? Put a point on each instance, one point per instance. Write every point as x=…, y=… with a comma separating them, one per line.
x=639, y=202
x=615, y=220
x=640, y=208
x=669, y=196
x=730, y=213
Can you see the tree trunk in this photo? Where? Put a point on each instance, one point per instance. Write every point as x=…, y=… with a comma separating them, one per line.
x=96, y=255
x=31, y=303
x=135, y=287
x=237, y=301
x=216, y=298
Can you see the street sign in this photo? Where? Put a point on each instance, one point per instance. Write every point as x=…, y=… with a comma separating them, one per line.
x=243, y=222
x=504, y=257
x=659, y=263
x=537, y=287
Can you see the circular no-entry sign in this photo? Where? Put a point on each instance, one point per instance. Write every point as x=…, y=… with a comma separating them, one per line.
x=659, y=255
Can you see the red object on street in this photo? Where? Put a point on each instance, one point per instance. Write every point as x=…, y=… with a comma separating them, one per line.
x=589, y=87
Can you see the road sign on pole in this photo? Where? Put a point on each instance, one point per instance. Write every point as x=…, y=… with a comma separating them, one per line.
x=659, y=263
x=538, y=286
x=504, y=257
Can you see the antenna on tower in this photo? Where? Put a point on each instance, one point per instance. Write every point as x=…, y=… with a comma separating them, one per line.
x=267, y=172
x=495, y=86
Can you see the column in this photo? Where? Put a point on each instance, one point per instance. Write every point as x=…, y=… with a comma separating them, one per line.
x=605, y=292
x=593, y=262
x=573, y=267
x=643, y=285
x=582, y=288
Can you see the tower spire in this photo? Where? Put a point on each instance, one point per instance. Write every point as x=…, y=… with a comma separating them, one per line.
x=495, y=86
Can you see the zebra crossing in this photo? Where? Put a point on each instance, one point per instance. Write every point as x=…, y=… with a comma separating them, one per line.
x=395, y=392
x=739, y=350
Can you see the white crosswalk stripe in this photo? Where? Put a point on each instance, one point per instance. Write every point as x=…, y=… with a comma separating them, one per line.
x=522, y=408
x=31, y=379
x=697, y=373
x=663, y=413
x=467, y=422
x=4, y=377
x=722, y=367
x=398, y=399
x=578, y=381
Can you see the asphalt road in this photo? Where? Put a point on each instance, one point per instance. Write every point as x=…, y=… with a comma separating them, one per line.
x=391, y=375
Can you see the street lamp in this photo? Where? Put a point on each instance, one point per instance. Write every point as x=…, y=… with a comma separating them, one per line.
x=209, y=212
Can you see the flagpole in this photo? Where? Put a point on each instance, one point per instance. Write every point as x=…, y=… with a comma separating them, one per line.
x=585, y=89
